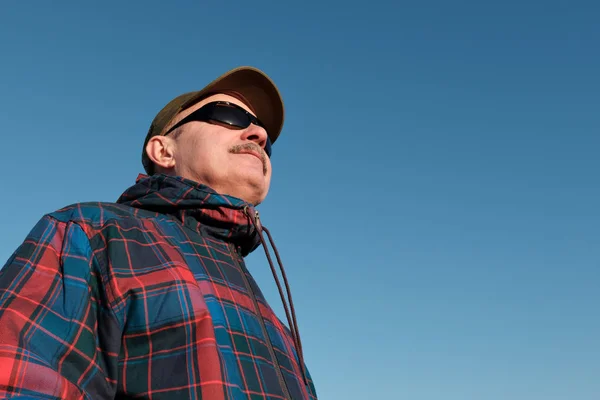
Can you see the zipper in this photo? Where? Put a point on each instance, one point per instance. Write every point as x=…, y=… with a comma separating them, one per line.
x=284, y=387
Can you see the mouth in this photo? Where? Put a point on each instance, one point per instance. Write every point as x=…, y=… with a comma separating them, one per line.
x=252, y=153
x=253, y=150
x=258, y=156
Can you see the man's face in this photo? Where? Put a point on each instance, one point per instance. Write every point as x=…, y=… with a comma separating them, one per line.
x=229, y=160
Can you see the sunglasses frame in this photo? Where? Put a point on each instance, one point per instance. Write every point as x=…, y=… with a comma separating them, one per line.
x=204, y=114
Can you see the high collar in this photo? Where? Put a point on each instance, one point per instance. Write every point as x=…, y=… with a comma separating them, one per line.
x=197, y=206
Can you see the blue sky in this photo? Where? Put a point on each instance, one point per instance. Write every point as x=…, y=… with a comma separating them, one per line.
x=435, y=190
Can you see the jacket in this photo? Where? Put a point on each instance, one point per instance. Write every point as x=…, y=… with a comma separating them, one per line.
x=148, y=297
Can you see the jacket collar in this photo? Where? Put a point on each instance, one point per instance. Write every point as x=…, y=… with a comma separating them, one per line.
x=197, y=206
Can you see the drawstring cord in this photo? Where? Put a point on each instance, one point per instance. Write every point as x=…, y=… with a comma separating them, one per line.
x=287, y=288
x=291, y=320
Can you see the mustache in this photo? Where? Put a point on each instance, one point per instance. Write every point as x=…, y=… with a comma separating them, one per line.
x=240, y=148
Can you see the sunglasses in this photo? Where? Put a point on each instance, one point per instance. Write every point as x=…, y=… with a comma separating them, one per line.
x=227, y=113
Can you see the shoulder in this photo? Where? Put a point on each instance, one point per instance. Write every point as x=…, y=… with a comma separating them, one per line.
x=97, y=214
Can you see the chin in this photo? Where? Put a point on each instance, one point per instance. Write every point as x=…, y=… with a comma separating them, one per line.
x=254, y=200
x=258, y=201
x=255, y=191
x=255, y=197
x=252, y=195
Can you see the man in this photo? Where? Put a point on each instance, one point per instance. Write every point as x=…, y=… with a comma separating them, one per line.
x=150, y=297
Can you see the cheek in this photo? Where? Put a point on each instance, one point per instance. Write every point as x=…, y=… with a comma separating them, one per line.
x=209, y=155
x=269, y=171
x=193, y=149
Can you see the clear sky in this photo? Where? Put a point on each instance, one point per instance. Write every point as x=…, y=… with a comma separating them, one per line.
x=435, y=194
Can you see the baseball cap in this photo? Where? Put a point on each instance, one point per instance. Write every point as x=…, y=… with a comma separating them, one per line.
x=254, y=85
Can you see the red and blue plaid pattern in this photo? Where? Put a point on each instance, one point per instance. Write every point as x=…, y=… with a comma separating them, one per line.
x=148, y=298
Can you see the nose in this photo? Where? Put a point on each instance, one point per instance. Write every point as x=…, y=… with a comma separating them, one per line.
x=256, y=134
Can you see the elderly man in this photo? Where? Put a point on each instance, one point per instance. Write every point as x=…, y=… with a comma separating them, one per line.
x=150, y=297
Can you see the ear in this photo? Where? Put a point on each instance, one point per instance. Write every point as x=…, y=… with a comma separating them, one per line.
x=161, y=151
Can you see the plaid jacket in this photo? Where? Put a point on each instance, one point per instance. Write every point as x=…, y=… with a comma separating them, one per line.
x=145, y=298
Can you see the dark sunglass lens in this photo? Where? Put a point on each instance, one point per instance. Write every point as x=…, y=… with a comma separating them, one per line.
x=230, y=115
